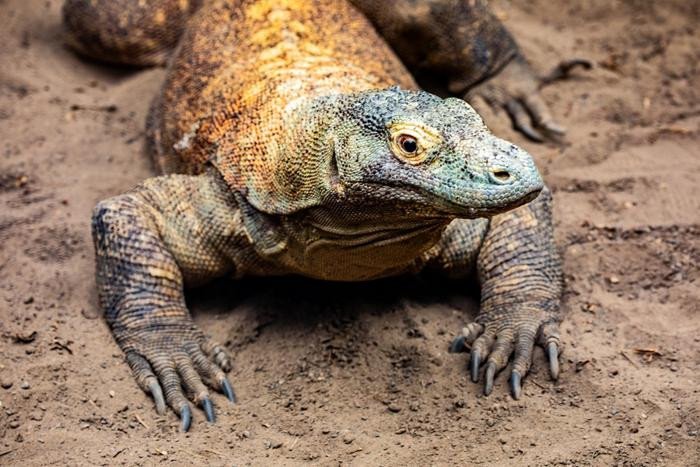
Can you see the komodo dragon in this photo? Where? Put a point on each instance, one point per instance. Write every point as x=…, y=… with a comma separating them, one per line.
x=295, y=142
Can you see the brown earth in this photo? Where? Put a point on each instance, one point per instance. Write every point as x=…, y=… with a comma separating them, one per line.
x=360, y=373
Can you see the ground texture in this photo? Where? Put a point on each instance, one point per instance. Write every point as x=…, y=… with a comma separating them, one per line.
x=359, y=374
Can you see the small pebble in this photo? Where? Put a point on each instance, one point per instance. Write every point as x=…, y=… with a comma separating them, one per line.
x=14, y=424
x=394, y=408
x=25, y=385
x=6, y=384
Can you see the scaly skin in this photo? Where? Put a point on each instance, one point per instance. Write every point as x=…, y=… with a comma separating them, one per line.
x=291, y=151
x=453, y=46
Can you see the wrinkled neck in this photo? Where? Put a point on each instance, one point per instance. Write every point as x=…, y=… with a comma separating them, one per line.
x=306, y=173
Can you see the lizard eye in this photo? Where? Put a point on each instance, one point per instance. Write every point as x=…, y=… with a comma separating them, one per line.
x=412, y=143
x=408, y=143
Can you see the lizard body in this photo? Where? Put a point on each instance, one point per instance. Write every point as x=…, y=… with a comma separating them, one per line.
x=288, y=148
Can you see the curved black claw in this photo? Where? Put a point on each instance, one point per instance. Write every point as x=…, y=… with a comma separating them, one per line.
x=474, y=364
x=457, y=345
x=228, y=390
x=157, y=394
x=515, y=388
x=185, y=417
x=208, y=410
x=553, y=357
x=564, y=69
x=490, y=373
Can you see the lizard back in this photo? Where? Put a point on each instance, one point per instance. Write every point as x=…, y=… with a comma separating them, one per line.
x=242, y=72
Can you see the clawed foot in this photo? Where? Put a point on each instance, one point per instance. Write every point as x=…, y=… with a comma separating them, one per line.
x=516, y=89
x=172, y=360
x=494, y=337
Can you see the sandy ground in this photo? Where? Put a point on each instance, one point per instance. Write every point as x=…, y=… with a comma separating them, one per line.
x=359, y=374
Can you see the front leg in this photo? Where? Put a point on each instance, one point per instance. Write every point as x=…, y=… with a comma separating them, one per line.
x=521, y=284
x=149, y=242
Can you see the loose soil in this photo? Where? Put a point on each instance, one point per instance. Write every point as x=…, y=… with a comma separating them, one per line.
x=360, y=374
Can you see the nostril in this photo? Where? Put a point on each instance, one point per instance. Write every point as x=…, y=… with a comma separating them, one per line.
x=500, y=175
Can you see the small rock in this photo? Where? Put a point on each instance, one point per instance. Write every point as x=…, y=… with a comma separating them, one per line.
x=246, y=434
x=394, y=408
x=614, y=280
x=90, y=313
x=6, y=383
x=273, y=444
x=111, y=393
x=36, y=415
x=25, y=385
x=14, y=424
x=348, y=439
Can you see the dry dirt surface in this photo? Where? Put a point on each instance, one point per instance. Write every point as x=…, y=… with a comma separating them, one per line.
x=360, y=374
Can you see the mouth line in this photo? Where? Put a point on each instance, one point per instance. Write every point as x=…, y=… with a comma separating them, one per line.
x=452, y=209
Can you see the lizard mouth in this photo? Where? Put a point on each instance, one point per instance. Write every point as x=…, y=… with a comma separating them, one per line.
x=487, y=211
x=437, y=206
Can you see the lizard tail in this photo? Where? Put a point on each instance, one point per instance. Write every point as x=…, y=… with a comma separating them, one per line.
x=126, y=32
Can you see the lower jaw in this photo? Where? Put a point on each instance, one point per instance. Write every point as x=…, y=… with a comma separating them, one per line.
x=473, y=213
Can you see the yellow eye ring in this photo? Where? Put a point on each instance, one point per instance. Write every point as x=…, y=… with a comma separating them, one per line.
x=410, y=142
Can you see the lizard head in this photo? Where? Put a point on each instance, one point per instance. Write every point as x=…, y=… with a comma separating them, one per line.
x=412, y=148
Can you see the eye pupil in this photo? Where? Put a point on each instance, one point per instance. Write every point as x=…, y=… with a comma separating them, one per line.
x=408, y=143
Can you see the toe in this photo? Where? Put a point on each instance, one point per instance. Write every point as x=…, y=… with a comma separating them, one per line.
x=217, y=353
x=549, y=339
x=471, y=332
x=521, y=120
x=522, y=359
x=169, y=379
x=524, y=344
x=498, y=359
x=212, y=374
x=146, y=379
x=541, y=115
x=480, y=350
